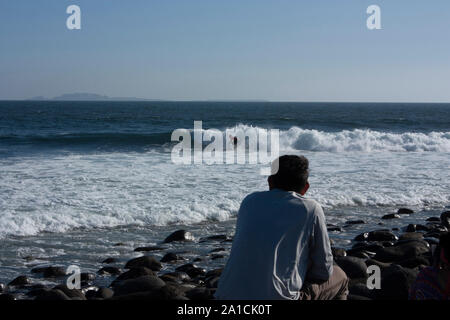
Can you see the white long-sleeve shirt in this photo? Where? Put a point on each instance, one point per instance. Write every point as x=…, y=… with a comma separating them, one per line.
x=280, y=238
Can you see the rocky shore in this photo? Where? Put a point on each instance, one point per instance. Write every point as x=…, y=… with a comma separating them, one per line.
x=400, y=253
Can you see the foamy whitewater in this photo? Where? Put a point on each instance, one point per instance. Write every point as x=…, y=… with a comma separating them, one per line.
x=77, y=167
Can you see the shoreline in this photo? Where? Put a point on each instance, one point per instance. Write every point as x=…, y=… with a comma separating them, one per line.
x=173, y=268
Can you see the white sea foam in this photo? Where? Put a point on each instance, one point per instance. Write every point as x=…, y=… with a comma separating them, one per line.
x=350, y=168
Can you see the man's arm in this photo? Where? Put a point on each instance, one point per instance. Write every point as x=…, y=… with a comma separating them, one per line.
x=321, y=266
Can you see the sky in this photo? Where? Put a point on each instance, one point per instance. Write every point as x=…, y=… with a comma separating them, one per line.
x=281, y=50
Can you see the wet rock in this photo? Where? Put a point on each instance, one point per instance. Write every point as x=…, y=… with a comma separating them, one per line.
x=381, y=235
x=214, y=273
x=217, y=250
x=169, y=257
x=20, y=281
x=432, y=241
x=167, y=278
x=147, y=249
x=119, y=244
x=405, y=211
x=134, y=273
x=362, y=254
x=87, y=276
x=395, y=283
x=212, y=282
x=414, y=262
x=71, y=293
x=167, y=292
x=109, y=270
x=200, y=294
x=390, y=216
x=109, y=260
x=355, y=222
x=180, y=235
x=2, y=287
x=362, y=237
x=191, y=270
x=416, y=227
x=145, y=261
x=338, y=252
x=353, y=267
x=52, y=295
x=411, y=236
x=217, y=256
x=218, y=237
x=141, y=284
x=180, y=276
x=360, y=289
x=445, y=219
x=434, y=219
x=380, y=264
x=101, y=293
x=336, y=229
x=50, y=272
x=402, y=251
x=7, y=297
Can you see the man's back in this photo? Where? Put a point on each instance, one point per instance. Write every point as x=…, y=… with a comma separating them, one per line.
x=280, y=235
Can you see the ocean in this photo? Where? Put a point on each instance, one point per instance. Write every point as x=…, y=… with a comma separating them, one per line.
x=78, y=177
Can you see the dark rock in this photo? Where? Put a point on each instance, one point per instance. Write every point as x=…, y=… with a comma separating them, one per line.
x=380, y=264
x=445, y=219
x=434, y=219
x=134, y=273
x=87, y=276
x=71, y=293
x=356, y=297
x=361, y=289
x=145, y=261
x=355, y=222
x=179, y=275
x=50, y=272
x=141, y=284
x=217, y=250
x=395, y=283
x=101, y=293
x=119, y=244
x=353, y=267
x=337, y=229
x=411, y=236
x=411, y=228
x=52, y=295
x=395, y=229
x=109, y=260
x=180, y=235
x=7, y=297
x=2, y=287
x=362, y=237
x=109, y=270
x=338, y=252
x=361, y=254
x=381, y=235
x=167, y=278
x=214, y=273
x=20, y=281
x=414, y=262
x=200, y=294
x=432, y=241
x=169, y=257
x=191, y=270
x=212, y=282
x=402, y=251
x=147, y=249
x=219, y=237
x=405, y=211
x=167, y=292
x=217, y=256
x=390, y=216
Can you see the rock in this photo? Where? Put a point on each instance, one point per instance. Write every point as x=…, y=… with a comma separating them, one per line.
x=217, y=250
x=109, y=260
x=411, y=236
x=391, y=216
x=169, y=257
x=362, y=237
x=445, y=219
x=20, y=281
x=212, y=282
x=356, y=297
x=50, y=272
x=191, y=270
x=365, y=246
x=200, y=294
x=381, y=235
x=52, y=295
x=337, y=229
x=2, y=287
x=134, y=273
x=101, y=293
x=145, y=261
x=87, y=276
x=395, y=283
x=141, y=284
x=338, y=252
x=414, y=262
x=361, y=254
x=219, y=237
x=109, y=270
x=360, y=289
x=402, y=251
x=214, y=273
x=71, y=293
x=432, y=241
x=380, y=264
x=167, y=278
x=167, y=292
x=119, y=244
x=180, y=235
x=405, y=211
x=217, y=256
x=355, y=222
x=147, y=249
x=7, y=297
x=353, y=267
x=434, y=219
x=179, y=275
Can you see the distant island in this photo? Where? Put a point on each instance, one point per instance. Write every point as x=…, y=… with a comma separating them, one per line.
x=89, y=97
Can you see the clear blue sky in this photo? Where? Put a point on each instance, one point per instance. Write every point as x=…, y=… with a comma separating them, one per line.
x=312, y=50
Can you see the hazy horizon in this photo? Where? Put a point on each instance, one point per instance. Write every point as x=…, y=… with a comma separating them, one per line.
x=243, y=50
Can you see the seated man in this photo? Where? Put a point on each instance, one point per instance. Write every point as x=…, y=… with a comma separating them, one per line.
x=281, y=248
x=433, y=283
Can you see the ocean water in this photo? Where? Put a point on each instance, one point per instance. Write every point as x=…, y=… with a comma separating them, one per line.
x=77, y=177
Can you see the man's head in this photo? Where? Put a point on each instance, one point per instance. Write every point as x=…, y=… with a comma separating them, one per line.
x=292, y=174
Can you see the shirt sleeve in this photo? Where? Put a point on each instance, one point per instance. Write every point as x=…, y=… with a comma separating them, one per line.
x=321, y=257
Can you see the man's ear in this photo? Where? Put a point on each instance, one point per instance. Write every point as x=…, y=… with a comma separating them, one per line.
x=305, y=188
